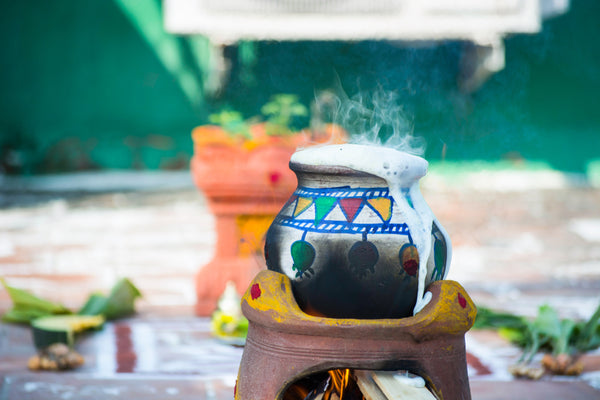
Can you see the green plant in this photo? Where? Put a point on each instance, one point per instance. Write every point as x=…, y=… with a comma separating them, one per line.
x=564, y=339
x=281, y=111
x=232, y=122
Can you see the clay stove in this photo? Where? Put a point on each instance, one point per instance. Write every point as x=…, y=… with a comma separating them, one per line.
x=357, y=262
x=285, y=344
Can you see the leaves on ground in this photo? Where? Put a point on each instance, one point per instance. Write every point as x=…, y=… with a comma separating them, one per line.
x=119, y=303
x=26, y=307
x=563, y=339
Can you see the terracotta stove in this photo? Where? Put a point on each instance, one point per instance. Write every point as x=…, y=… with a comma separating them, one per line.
x=285, y=344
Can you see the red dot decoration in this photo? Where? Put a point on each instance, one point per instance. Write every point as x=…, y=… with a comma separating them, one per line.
x=274, y=177
x=461, y=300
x=411, y=267
x=409, y=258
x=255, y=291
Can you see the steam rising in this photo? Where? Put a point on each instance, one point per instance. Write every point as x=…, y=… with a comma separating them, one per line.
x=377, y=119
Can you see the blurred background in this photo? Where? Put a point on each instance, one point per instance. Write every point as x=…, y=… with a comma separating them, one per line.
x=99, y=98
x=102, y=85
x=105, y=95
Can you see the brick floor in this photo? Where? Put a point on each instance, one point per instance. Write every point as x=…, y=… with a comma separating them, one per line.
x=64, y=249
x=516, y=246
x=176, y=357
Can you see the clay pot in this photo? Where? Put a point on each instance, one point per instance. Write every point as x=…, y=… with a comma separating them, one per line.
x=342, y=241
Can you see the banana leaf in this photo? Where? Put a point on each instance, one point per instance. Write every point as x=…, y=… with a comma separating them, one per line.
x=27, y=307
x=119, y=303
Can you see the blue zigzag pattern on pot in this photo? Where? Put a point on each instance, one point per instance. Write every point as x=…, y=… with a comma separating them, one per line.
x=341, y=227
x=310, y=208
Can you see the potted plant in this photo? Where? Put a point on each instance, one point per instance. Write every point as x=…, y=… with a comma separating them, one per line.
x=241, y=166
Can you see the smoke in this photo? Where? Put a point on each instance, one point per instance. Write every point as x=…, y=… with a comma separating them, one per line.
x=374, y=119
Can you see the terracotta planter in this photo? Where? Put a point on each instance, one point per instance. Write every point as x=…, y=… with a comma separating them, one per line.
x=246, y=183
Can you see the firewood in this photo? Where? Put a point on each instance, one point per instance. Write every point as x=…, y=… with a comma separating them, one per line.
x=393, y=388
x=367, y=386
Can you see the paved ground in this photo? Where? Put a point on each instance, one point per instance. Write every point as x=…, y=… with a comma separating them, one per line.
x=521, y=239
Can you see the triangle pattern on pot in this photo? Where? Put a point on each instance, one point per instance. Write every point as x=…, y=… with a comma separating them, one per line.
x=382, y=206
x=289, y=206
x=323, y=205
x=336, y=214
x=351, y=206
x=302, y=204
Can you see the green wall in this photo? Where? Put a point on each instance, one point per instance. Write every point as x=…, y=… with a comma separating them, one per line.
x=543, y=105
x=96, y=83
x=81, y=86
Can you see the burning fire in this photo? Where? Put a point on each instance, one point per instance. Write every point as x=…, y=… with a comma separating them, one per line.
x=340, y=385
x=337, y=384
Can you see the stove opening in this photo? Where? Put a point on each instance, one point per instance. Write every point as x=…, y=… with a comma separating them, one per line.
x=337, y=384
x=347, y=384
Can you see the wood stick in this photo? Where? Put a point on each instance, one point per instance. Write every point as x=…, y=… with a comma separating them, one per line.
x=392, y=388
x=396, y=389
x=367, y=385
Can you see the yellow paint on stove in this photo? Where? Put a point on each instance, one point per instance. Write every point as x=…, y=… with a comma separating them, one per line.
x=444, y=314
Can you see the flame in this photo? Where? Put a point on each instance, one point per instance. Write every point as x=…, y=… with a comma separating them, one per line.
x=340, y=381
x=339, y=384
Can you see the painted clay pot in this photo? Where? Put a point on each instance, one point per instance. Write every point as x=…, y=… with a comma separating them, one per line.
x=343, y=241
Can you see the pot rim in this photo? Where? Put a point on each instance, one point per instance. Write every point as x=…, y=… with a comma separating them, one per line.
x=328, y=169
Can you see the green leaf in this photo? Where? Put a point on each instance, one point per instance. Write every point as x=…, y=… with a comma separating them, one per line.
x=299, y=110
x=514, y=335
x=560, y=344
x=26, y=306
x=547, y=322
x=587, y=335
x=232, y=122
x=23, y=316
x=547, y=331
x=119, y=303
x=280, y=112
x=592, y=344
x=592, y=327
x=270, y=109
x=533, y=344
x=487, y=318
x=94, y=305
x=552, y=331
